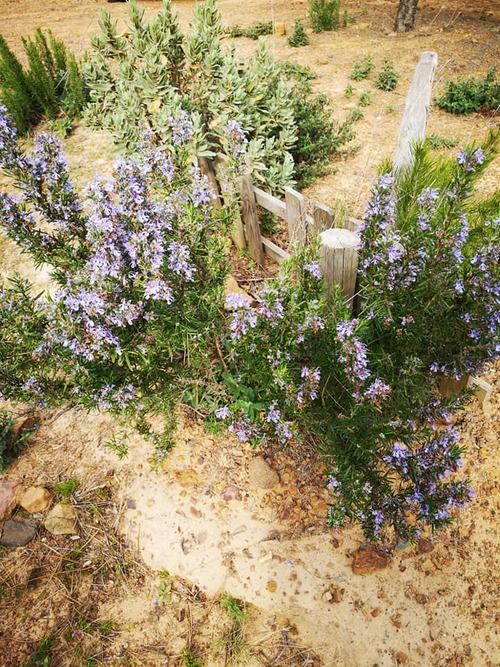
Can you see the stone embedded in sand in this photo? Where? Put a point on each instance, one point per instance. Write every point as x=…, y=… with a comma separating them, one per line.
x=230, y=493
x=36, y=499
x=18, y=532
x=424, y=546
x=61, y=520
x=187, y=477
x=271, y=586
x=369, y=560
x=261, y=475
x=9, y=493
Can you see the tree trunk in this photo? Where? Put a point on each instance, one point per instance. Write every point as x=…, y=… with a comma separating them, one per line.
x=406, y=15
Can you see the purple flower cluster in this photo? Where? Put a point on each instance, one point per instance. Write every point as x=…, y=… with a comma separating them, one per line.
x=353, y=353
x=308, y=389
x=471, y=159
x=244, y=317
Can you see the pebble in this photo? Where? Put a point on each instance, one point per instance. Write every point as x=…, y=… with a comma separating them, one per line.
x=36, y=499
x=424, y=546
x=261, y=475
x=18, y=532
x=369, y=560
x=9, y=489
x=61, y=520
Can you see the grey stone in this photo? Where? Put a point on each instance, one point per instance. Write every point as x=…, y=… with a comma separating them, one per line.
x=18, y=532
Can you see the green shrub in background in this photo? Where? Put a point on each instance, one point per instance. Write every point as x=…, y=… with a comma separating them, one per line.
x=463, y=97
x=320, y=137
x=299, y=37
x=254, y=32
x=324, y=15
x=362, y=69
x=49, y=86
x=140, y=79
x=387, y=78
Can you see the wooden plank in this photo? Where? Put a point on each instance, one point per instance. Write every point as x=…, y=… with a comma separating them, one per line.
x=230, y=196
x=322, y=218
x=296, y=216
x=338, y=259
x=270, y=203
x=274, y=252
x=416, y=111
x=251, y=219
x=207, y=169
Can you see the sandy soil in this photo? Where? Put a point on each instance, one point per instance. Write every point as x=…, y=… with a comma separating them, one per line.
x=156, y=551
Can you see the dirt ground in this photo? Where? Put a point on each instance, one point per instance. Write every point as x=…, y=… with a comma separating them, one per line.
x=158, y=560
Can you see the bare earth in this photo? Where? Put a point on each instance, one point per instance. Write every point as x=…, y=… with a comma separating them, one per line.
x=154, y=552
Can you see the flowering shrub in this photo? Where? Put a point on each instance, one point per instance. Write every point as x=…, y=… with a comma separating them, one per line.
x=136, y=319
x=140, y=78
x=363, y=389
x=138, y=266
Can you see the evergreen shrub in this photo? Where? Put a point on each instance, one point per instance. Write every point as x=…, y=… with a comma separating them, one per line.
x=139, y=79
x=463, y=97
x=50, y=85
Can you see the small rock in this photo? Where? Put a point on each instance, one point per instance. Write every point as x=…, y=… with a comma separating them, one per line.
x=36, y=499
x=375, y=612
x=261, y=475
x=230, y=493
x=271, y=586
x=9, y=491
x=401, y=658
x=187, y=477
x=18, y=532
x=367, y=560
x=424, y=546
x=421, y=598
x=61, y=520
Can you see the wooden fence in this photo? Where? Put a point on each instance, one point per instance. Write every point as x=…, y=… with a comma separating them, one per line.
x=339, y=238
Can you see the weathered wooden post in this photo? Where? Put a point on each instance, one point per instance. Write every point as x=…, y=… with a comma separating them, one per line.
x=207, y=169
x=296, y=216
x=323, y=218
x=418, y=101
x=338, y=259
x=251, y=219
x=229, y=195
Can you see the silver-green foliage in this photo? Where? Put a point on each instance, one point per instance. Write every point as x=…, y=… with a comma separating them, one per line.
x=140, y=78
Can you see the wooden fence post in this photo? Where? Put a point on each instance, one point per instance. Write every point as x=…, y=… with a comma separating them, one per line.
x=418, y=100
x=251, y=219
x=207, y=169
x=296, y=216
x=323, y=218
x=230, y=197
x=338, y=259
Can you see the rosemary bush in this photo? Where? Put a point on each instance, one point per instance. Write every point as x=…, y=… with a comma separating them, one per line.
x=49, y=86
x=138, y=264
x=363, y=389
